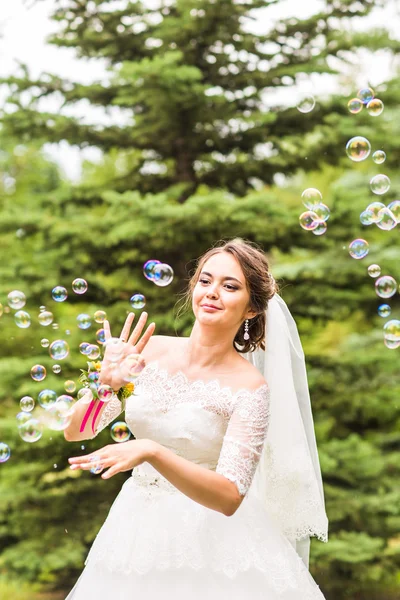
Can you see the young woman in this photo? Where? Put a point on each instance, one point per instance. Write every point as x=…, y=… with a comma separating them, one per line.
x=184, y=525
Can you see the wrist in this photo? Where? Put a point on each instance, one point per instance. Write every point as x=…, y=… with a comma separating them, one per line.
x=150, y=449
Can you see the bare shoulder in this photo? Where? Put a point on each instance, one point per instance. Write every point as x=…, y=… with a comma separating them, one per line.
x=157, y=345
x=250, y=374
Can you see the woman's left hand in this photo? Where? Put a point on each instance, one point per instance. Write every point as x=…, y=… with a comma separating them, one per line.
x=115, y=457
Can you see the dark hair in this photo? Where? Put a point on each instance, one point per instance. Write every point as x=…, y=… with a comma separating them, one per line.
x=259, y=282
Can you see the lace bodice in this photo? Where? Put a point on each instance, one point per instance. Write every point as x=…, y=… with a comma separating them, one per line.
x=200, y=420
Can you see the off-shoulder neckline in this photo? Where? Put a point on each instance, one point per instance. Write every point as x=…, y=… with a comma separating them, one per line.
x=208, y=383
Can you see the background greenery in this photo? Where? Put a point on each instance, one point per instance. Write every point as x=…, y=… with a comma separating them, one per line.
x=203, y=154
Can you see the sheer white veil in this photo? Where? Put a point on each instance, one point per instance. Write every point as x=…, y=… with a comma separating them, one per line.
x=288, y=478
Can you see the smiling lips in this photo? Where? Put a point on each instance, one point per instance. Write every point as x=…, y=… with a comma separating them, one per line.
x=210, y=306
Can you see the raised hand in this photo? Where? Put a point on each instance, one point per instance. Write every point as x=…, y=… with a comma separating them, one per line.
x=117, y=350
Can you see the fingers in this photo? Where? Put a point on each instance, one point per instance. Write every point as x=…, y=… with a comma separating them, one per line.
x=127, y=327
x=107, y=331
x=112, y=471
x=136, y=333
x=145, y=338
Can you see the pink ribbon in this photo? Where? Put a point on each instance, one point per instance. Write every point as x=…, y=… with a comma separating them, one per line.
x=88, y=413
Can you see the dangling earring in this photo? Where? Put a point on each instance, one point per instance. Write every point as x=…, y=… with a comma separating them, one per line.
x=246, y=330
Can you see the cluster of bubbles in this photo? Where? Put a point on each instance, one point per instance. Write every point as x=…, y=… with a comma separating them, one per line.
x=384, y=217
x=317, y=214
x=159, y=273
x=366, y=97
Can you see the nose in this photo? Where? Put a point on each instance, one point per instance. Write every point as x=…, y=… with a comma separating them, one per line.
x=212, y=292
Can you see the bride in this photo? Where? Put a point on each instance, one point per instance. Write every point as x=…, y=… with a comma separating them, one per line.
x=226, y=488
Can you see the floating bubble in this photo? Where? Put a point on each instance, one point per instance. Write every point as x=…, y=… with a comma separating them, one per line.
x=23, y=417
x=306, y=104
x=131, y=367
x=70, y=386
x=45, y=343
x=375, y=107
x=59, y=349
x=59, y=293
x=38, y=372
x=374, y=270
x=163, y=274
x=100, y=316
x=97, y=465
x=93, y=352
x=311, y=197
x=367, y=217
x=366, y=95
x=384, y=310
x=5, y=452
x=85, y=395
x=94, y=376
x=320, y=229
x=114, y=349
x=79, y=286
x=105, y=393
x=379, y=157
x=55, y=325
x=375, y=208
x=385, y=286
x=138, y=301
x=120, y=432
x=27, y=404
x=31, y=431
x=380, y=184
x=47, y=398
x=42, y=308
x=308, y=220
x=392, y=345
x=391, y=330
x=394, y=207
x=67, y=331
x=355, y=106
x=59, y=416
x=84, y=348
x=322, y=211
x=45, y=318
x=148, y=268
x=387, y=220
x=358, y=248
x=16, y=299
x=100, y=336
x=84, y=321
x=22, y=319
x=358, y=148
x=56, y=369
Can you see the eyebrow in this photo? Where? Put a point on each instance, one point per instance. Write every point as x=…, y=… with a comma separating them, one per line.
x=224, y=279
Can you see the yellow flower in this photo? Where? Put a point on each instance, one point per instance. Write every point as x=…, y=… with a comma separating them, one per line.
x=130, y=387
x=97, y=365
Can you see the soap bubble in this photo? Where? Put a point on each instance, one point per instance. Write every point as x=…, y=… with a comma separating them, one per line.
x=5, y=452
x=114, y=349
x=85, y=395
x=392, y=345
x=45, y=318
x=391, y=330
x=22, y=319
x=97, y=465
x=120, y=432
x=394, y=207
x=59, y=349
x=84, y=321
x=367, y=217
x=131, y=366
x=84, y=348
x=309, y=220
x=79, y=286
x=387, y=220
x=148, y=268
x=366, y=95
x=59, y=293
x=16, y=299
x=45, y=343
x=31, y=431
x=59, y=416
x=358, y=148
x=380, y=184
x=306, y=104
x=23, y=417
x=27, y=404
x=379, y=157
x=100, y=316
x=55, y=325
x=105, y=392
x=311, y=197
x=38, y=372
x=358, y=248
x=375, y=208
x=56, y=369
x=46, y=398
x=375, y=107
x=374, y=270
x=355, y=106
x=320, y=229
x=322, y=211
x=163, y=274
x=384, y=310
x=70, y=386
x=100, y=336
x=386, y=286
x=138, y=301
x=93, y=352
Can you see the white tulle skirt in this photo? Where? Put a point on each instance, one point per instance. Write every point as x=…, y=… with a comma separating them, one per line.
x=158, y=543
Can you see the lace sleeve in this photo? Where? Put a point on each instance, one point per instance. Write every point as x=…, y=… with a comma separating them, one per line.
x=111, y=411
x=244, y=438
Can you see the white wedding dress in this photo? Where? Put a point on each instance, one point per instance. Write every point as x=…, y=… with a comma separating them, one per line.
x=158, y=543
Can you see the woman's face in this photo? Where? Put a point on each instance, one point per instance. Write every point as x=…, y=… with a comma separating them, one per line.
x=222, y=284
